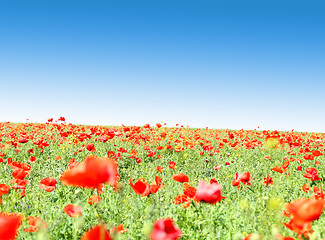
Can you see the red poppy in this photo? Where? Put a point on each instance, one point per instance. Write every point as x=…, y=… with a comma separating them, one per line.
x=72, y=210
x=312, y=174
x=119, y=229
x=20, y=174
x=9, y=224
x=299, y=227
x=34, y=224
x=165, y=229
x=268, y=180
x=277, y=169
x=245, y=178
x=48, y=184
x=172, y=165
x=306, y=210
x=141, y=187
x=181, y=198
x=189, y=190
x=209, y=193
x=19, y=165
x=156, y=185
x=91, y=147
x=318, y=193
x=91, y=172
x=4, y=189
x=160, y=169
x=181, y=177
x=98, y=232
x=305, y=188
x=94, y=199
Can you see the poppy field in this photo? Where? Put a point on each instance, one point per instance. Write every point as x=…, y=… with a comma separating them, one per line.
x=66, y=181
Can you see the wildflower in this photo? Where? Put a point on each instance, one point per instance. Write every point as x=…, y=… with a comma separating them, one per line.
x=245, y=178
x=172, y=165
x=305, y=188
x=98, y=232
x=4, y=189
x=268, y=180
x=181, y=177
x=160, y=169
x=312, y=174
x=209, y=193
x=91, y=172
x=48, y=184
x=119, y=229
x=91, y=147
x=72, y=210
x=164, y=229
x=34, y=224
x=277, y=169
x=94, y=199
x=9, y=224
x=141, y=187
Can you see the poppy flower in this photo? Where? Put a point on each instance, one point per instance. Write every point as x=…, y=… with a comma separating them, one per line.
x=160, y=169
x=181, y=177
x=141, y=187
x=268, y=180
x=209, y=193
x=72, y=210
x=245, y=178
x=119, y=229
x=312, y=174
x=318, y=193
x=189, y=190
x=172, y=165
x=20, y=174
x=235, y=183
x=299, y=227
x=19, y=165
x=98, y=232
x=277, y=169
x=91, y=147
x=165, y=229
x=9, y=224
x=305, y=188
x=34, y=224
x=48, y=184
x=4, y=189
x=181, y=198
x=156, y=185
x=305, y=209
x=94, y=199
x=91, y=172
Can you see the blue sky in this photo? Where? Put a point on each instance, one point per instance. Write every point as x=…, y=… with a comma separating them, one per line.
x=220, y=64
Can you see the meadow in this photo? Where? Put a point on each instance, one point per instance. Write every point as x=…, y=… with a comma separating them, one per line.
x=66, y=181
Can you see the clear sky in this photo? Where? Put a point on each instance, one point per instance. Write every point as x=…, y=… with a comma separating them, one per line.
x=221, y=64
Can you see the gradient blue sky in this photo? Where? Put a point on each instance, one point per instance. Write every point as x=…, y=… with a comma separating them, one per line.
x=221, y=64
